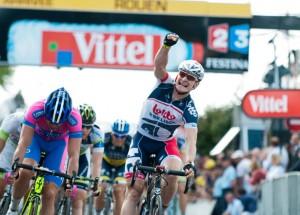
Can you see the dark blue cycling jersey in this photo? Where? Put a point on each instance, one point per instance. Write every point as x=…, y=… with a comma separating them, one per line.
x=161, y=116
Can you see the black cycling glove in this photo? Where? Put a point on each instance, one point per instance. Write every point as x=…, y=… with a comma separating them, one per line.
x=171, y=39
x=190, y=166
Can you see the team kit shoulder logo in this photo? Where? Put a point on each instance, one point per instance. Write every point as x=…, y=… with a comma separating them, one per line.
x=191, y=109
x=72, y=120
x=38, y=113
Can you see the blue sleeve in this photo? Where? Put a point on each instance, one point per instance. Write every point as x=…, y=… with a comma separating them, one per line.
x=190, y=115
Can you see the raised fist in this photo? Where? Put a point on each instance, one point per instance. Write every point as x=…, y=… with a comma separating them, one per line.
x=171, y=39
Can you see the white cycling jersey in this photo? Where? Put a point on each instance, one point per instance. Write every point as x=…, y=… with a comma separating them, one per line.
x=10, y=132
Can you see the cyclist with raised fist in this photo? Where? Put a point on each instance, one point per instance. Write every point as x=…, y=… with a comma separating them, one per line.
x=168, y=107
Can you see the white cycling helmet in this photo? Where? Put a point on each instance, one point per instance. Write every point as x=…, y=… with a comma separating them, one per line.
x=193, y=68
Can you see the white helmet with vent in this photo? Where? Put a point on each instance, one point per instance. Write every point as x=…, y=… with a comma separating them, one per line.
x=193, y=68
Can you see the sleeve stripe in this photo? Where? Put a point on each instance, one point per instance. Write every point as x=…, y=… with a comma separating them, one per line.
x=3, y=135
x=190, y=125
x=29, y=124
x=76, y=134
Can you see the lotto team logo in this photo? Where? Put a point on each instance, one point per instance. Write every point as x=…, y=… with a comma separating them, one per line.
x=222, y=38
x=96, y=49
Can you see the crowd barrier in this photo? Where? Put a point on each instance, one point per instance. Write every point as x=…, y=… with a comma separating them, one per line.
x=281, y=196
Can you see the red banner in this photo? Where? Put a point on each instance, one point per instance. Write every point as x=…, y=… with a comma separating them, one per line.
x=293, y=124
x=99, y=49
x=272, y=103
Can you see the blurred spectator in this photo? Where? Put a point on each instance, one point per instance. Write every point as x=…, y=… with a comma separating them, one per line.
x=278, y=149
x=209, y=164
x=258, y=174
x=294, y=152
x=249, y=202
x=209, y=169
x=234, y=205
x=229, y=175
x=276, y=170
x=226, y=183
x=219, y=206
x=256, y=156
x=243, y=168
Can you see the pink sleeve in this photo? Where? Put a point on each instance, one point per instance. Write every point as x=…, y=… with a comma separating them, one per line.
x=75, y=130
x=34, y=112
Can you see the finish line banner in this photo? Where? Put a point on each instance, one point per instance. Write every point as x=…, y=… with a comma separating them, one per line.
x=119, y=40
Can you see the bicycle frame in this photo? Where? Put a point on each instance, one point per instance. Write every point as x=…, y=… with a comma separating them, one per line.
x=153, y=201
x=33, y=202
x=108, y=194
x=65, y=206
x=153, y=191
x=34, y=195
x=5, y=201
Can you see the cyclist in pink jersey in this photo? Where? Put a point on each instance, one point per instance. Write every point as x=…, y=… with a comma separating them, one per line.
x=52, y=126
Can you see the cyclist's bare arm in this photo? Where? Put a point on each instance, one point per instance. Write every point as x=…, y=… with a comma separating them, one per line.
x=161, y=58
x=25, y=140
x=160, y=62
x=97, y=162
x=73, y=152
x=191, y=140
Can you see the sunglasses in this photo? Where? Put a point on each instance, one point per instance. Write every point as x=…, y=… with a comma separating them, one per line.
x=87, y=126
x=119, y=136
x=188, y=77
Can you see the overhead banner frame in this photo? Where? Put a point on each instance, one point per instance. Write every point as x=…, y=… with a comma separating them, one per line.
x=162, y=7
x=218, y=41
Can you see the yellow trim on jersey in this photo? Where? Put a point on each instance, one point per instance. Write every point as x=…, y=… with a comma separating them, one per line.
x=114, y=162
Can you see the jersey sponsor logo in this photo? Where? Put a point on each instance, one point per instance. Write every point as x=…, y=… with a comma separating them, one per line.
x=72, y=120
x=98, y=49
x=37, y=114
x=166, y=114
x=191, y=109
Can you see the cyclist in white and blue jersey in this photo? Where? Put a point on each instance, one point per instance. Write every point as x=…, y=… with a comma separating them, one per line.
x=168, y=107
x=9, y=136
x=92, y=143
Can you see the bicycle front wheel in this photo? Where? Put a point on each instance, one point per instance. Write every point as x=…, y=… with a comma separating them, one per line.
x=32, y=207
x=64, y=207
x=5, y=204
x=36, y=207
x=107, y=207
x=156, y=206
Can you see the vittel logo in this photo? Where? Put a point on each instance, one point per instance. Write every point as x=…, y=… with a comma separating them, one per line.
x=112, y=49
x=101, y=49
x=162, y=112
x=267, y=104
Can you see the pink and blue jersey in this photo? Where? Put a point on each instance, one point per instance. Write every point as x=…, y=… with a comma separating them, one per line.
x=53, y=140
x=36, y=118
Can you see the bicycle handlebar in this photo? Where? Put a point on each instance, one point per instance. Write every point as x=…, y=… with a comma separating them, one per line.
x=160, y=170
x=95, y=182
x=42, y=170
